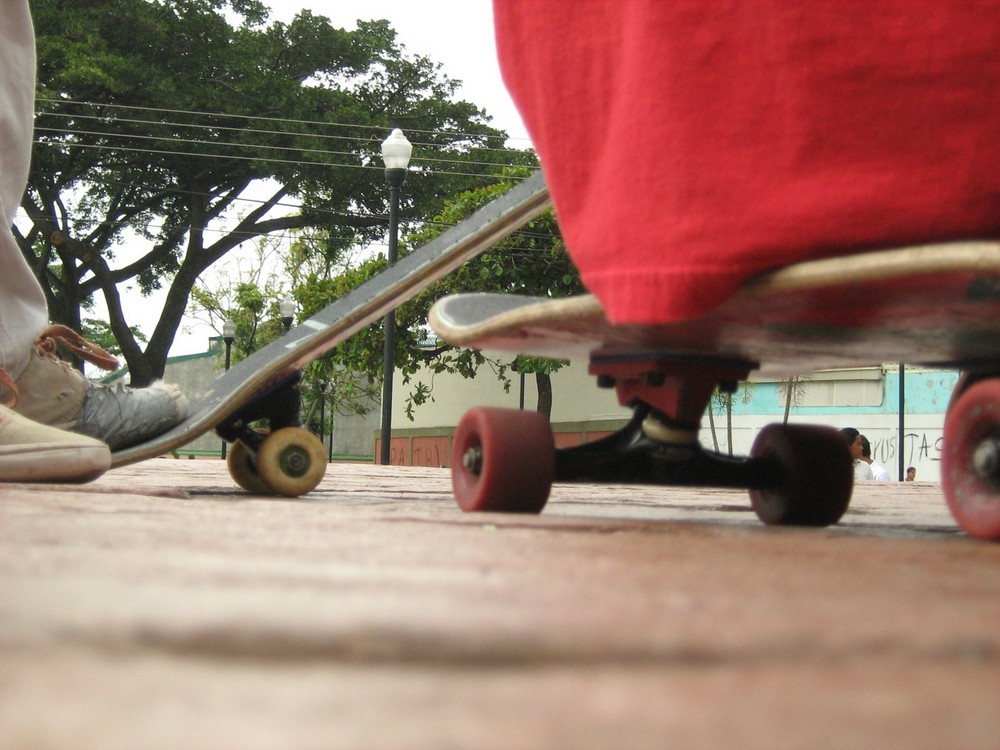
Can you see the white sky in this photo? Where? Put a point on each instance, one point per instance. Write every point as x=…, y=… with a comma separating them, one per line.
x=458, y=34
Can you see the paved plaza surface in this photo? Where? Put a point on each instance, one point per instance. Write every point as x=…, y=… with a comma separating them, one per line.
x=159, y=607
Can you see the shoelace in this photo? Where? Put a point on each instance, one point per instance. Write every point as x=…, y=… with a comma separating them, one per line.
x=10, y=398
x=47, y=341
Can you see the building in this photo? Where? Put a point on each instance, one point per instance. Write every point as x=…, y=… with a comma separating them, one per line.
x=865, y=398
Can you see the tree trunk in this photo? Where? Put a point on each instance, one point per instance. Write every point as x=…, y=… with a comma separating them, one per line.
x=711, y=424
x=65, y=304
x=543, y=382
x=729, y=421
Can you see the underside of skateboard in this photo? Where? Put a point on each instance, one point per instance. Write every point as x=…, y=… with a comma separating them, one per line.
x=505, y=460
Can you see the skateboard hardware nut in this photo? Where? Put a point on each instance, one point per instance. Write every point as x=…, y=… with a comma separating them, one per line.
x=986, y=458
x=472, y=460
x=655, y=378
x=295, y=462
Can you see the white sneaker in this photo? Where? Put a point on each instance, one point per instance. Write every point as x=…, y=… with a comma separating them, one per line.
x=32, y=452
x=52, y=393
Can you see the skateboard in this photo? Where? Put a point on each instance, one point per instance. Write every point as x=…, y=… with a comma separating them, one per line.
x=935, y=305
x=286, y=458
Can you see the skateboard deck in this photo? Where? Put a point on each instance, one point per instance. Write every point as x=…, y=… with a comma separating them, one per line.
x=930, y=305
x=936, y=305
x=253, y=379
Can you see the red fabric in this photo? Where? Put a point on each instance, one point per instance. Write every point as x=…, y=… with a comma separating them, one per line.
x=689, y=144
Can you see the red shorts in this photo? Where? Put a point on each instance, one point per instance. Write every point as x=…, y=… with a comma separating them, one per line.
x=691, y=143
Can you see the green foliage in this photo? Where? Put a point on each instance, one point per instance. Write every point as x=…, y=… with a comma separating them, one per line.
x=321, y=271
x=99, y=332
x=249, y=295
x=532, y=261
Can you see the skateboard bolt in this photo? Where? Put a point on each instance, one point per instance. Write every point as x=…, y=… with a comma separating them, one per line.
x=986, y=458
x=472, y=460
x=294, y=462
x=655, y=379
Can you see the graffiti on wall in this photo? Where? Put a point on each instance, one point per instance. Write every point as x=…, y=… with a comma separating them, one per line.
x=432, y=451
x=917, y=447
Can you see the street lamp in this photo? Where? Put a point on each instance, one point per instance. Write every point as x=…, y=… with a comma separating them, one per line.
x=287, y=309
x=321, y=396
x=229, y=336
x=396, y=152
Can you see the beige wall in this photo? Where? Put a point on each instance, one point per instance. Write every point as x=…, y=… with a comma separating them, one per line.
x=574, y=397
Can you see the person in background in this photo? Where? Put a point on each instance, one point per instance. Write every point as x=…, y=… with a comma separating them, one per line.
x=862, y=470
x=879, y=473
x=911, y=473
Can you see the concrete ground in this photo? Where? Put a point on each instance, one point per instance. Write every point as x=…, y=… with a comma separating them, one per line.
x=160, y=608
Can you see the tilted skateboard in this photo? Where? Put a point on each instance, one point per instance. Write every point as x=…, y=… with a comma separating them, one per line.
x=290, y=460
x=933, y=305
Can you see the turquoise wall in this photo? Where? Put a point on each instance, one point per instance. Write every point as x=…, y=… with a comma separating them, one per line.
x=926, y=391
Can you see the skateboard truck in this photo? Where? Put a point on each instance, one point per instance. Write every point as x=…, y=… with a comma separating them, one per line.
x=285, y=457
x=660, y=444
x=505, y=460
x=650, y=451
x=281, y=407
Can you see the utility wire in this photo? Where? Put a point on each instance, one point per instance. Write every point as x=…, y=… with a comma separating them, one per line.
x=262, y=118
x=260, y=131
x=247, y=146
x=237, y=157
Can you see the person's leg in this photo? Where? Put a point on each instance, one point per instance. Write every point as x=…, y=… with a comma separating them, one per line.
x=23, y=313
x=42, y=389
x=28, y=451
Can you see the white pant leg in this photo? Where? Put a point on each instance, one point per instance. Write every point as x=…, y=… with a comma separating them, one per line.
x=23, y=310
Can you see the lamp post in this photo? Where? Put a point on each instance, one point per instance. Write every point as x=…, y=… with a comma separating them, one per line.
x=228, y=336
x=287, y=309
x=321, y=395
x=396, y=152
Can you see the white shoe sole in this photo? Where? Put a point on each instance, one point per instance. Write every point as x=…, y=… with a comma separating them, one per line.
x=53, y=462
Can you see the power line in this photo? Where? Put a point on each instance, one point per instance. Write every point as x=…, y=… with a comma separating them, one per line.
x=262, y=118
x=237, y=157
x=247, y=146
x=260, y=131
x=243, y=199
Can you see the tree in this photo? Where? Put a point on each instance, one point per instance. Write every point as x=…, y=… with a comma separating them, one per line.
x=723, y=399
x=795, y=389
x=184, y=128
